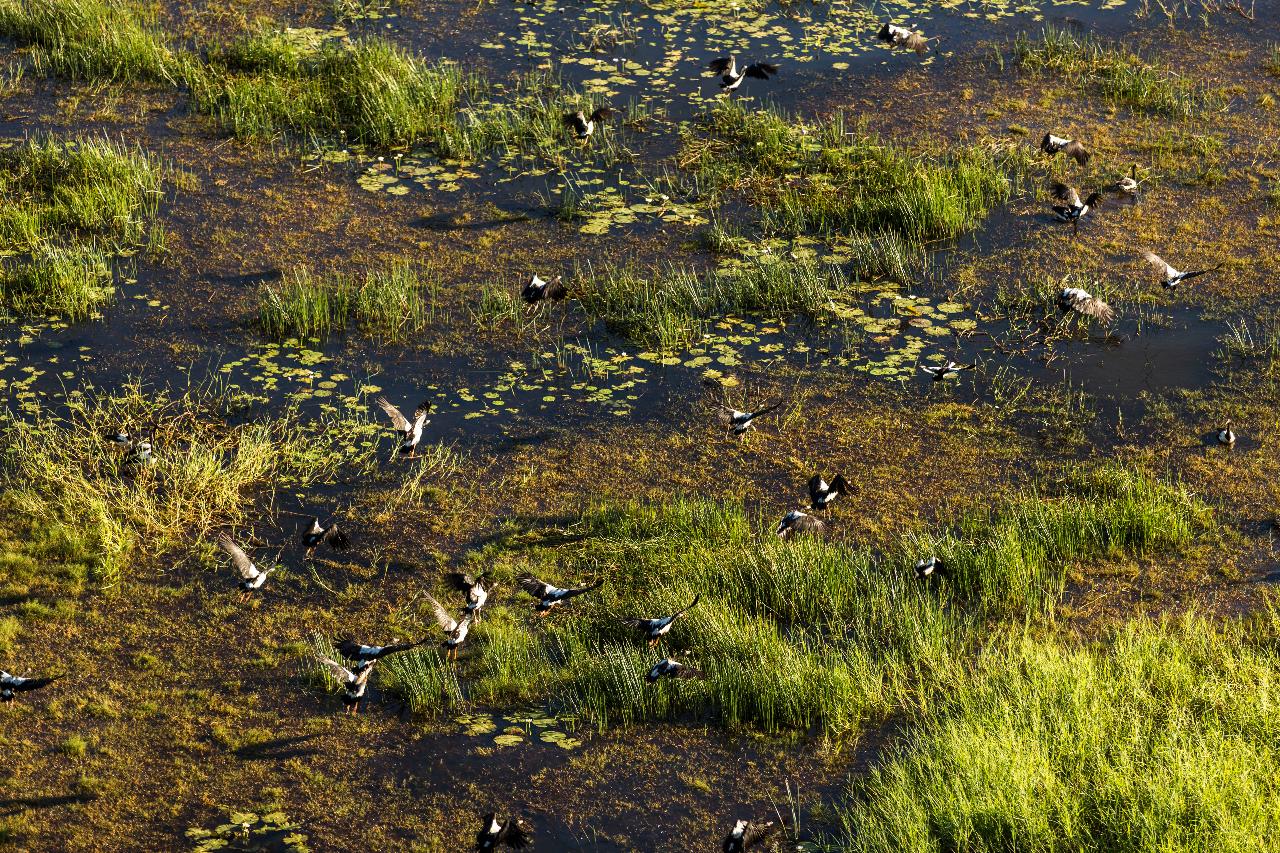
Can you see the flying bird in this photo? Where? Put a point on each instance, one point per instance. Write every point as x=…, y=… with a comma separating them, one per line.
x=1056, y=144
x=552, y=596
x=1227, y=436
x=584, y=125
x=477, y=595
x=950, y=370
x=822, y=493
x=655, y=629
x=902, y=37
x=251, y=577
x=929, y=567
x=746, y=835
x=739, y=422
x=1170, y=277
x=731, y=76
x=796, y=522
x=324, y=534
x=536, y=290
x=11, y=685
x=354, y=684
x=455, y=629
x=1072, y=208
x=513, y=832
x=362, y=654
x=1082, y=302
x=410, y=433
x=671, y=668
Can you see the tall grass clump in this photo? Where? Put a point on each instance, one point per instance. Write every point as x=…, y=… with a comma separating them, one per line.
x=267, y=84
x=390, y=303
x=1116, y=74
x=668, y=307
x=63, y=470
x=71, y=282
x=89, y=39
x=830, y=177
x=808, y=635
x=1165, y=740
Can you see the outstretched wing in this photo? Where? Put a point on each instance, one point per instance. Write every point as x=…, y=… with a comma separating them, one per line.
x=767, y=409
x=721, y=65
x=761, y=70
x=24, y=684
x=239, y=559
x=1077, y=152
x=1094, y=307
x=515, y=833
x=602, y=114
x=336, y=539
x=757, y=833
x=443, y=619
x=1064, y=193
x=460, y=581
x=349, y=648
x=571, y=592
x=399, y=420
x=817, y=486
x=533, y=586
x=1161, y=266
x=555, y=289
x=339, y=672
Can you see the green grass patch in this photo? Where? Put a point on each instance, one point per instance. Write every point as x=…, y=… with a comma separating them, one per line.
x=89, y=39
x=1117, y=74
x=806, y=635
x=829, y=176
x=1164, y=740
x=391, y=304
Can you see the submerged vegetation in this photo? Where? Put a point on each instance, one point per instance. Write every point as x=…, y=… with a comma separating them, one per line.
x=391, y=303
x=806, y=634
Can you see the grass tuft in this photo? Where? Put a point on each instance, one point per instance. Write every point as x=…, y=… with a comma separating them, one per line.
x=390, y=303
x=89, y=39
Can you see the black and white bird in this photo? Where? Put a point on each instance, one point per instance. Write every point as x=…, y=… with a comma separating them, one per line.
x=929, y=567
x=1129, y=184
x=1079, y=300
x=1072, y=208
x=1060, y=145
x=354, y=683
x=410, y=432
x=746, y=835
x=896, y=36
x=671, y=668
x=512, y=832
x=550, y=596
x=138, y=454
x=251, y=577
x=583, y=125
x=655, y=629
x=739, y=422
x=473, y=586
x=822, y=493
x=12, y=685
x=455, y=630
x=796, y=522
x=120, y=439
x=324, y=534
x=1170, y=277
x=536, y=290
x=1226, y=435
x=731, y=76
x=362, y=654
x=950, y=370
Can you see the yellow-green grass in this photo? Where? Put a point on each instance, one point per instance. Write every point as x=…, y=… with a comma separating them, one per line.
x=391, y=303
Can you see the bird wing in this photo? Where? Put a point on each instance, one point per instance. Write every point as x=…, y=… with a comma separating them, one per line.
x=447, y=622
x=721, y=65
x=1077, y=152
x=514, y=833
x=761, y=70
x=533, y=586
x=575, y=121
x=808, y=524
x=339, y=672
x=420, y=413
x=335, y=538
x=239, y=558
x=642, y=624
x=602, y=114
x=23, y=684
x=1160, y=264
x=696, y=598
x=916, y=42
x=1062, y=192
x=728, y=414
x=399, y=420
x=817, y=486
x=756, y=833
x=349, y=648
x=363, y=677
x=460, y=581
x=1094, y=307
x=839, y=484
x=555, y=288
x=579, y=590
x=767, y=409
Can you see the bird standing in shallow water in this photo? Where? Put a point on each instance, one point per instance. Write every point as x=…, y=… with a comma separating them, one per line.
x=552, y=596
x=354, y=684
x=1170, y=277
x=251, y=577
x=584, y=125
x=455, y=629
x=1051, y=145
x=745, y=835
x=410, y=433
x=324, y=534
x=513, y=832
x=536, y=290
x=902, y=37
x=796, y=522
x=361, y=654
x=739, y=422
x=1082, y=302
x=671, y=668
x=822, y=493
x=731, y=76
x=1073, y=209
x=11, y=685
x=655, y=629
x=1227, y=436
x=477, y=595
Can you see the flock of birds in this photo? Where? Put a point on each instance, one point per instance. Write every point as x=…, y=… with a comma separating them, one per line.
x=359, y=659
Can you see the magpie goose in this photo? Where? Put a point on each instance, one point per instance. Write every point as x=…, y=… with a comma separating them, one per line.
x=477, y=595
x=1129, y=184
x=552, y=596
x=739, y=422
x=536, y=290
x=362, y=654
x=513, y=832
x=324, y=534
x=671, y=668
x=929, y=567
x=1072, y=208
x=1082, y=302
x=902, y=37
x=584, y=125
x=455, y=630
x=950, y=370
x=1170, y=277
x=1227, y=436
x=11, y=685
x=796, y=522
x=731, y=76
x=410, y=433
x=655, y=629
x=746, y=835
x=251, y=577
x=822, y=493
x=1056, y=144
x=354, y=683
